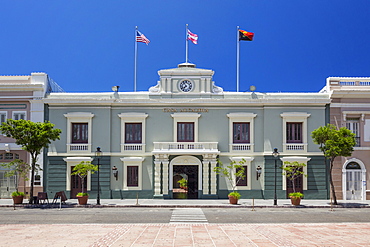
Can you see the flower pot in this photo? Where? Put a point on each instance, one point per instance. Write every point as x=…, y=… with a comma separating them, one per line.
x=233, y=200
x=295, y=200
x=82, y=200
x=18, y=199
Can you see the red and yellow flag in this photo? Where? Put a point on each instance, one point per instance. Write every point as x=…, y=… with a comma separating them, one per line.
x=244, y=35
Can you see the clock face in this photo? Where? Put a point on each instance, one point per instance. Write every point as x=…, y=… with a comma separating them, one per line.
x=186, y=86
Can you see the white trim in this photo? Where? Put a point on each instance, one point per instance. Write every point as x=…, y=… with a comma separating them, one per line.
x=79, y=117
x=243, y=117
x=133, y=117
x=5, y=113
x=305, y=169
x=363, y=178
x=185, y=117
x=299, y=117
x=19, y=112
x=73, y=161
x=248, y=164
x=133, y=161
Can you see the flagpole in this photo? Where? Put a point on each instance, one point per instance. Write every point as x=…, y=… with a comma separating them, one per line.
x=187, y=44
x=237, y=58
x=135, y=65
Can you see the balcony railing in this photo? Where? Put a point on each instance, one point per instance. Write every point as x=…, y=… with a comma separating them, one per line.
x=241, y=147
x=185, y=146
x=295, y=146
x=133, y=147
x=78, y=147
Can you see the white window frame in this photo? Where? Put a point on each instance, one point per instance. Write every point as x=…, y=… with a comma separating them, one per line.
x=19, y=112
x=305, y=169
x=79, y=117
x=73, y=161
x=133, y=117
x=5, y=114
x=241, y=117
x=133, y=161
x=179, y=117
x=248, y=164
x=295, y=117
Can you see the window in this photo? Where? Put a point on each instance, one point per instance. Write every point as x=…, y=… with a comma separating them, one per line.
x=132, y=176
x=243, y=181
x=133, y=132
x=294, y=132
x=17, y=115
x=241, y=133
x=3, y=116
x=185, y=132
x=353, y=124
x=9, y=156
x=80, y=133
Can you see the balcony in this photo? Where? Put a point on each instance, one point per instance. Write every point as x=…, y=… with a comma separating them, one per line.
x=80, y=147
x=241, y=147
x=133, y=148
x=292, y=147
x=185, y=148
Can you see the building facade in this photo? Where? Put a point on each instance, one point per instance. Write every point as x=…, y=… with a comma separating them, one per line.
x=350, y=108
x=21, y=97
x=178, y=130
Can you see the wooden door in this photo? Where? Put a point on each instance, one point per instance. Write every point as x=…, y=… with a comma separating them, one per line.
x=76, y=184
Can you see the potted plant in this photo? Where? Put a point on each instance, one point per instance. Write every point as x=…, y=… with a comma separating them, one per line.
x=234, y=172
x=293, y=170
x=82, y=170
x=183, y=183
x=19, y=169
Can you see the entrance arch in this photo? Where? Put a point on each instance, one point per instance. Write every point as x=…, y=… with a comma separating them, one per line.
x=354, y=180
x=189, y=168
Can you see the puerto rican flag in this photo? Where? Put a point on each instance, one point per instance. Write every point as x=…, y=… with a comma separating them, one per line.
x=141, y=38
x=192, y=37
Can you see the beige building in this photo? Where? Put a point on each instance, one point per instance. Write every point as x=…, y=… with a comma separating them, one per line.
x=350, y=107
x=21, y=97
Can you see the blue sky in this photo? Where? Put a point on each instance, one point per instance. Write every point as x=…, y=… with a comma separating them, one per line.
x=88, y=45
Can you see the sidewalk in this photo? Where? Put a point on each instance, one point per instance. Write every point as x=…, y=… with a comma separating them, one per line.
x=219, y=203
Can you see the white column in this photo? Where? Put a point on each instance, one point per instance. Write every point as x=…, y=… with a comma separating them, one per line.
x=157, y=178
x=165, y=177
x=213, y=178
x=205, y=177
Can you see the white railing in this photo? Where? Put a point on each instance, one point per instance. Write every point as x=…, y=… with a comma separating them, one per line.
x=295, y=146
x=241, y=147
x=161, y=146
x=78, y=147
x=133, y=147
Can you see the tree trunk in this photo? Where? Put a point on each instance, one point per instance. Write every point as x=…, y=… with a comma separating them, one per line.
x=332, y=183
x=32, y=178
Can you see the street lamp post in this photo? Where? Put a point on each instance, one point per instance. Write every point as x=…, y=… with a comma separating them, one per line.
x=98, y=154
x=275, y=154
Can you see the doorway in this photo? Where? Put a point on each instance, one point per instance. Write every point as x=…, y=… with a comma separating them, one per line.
x=298, y=182
x=76, y=184
x=353, y=181
x=7, y=185
x=185, y=182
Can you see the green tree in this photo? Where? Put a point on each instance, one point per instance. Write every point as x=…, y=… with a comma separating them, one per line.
x=17, y=168
x=293, y=170
x=333, y=143
x=234, y=172
x=82, y=170
x=32, y=137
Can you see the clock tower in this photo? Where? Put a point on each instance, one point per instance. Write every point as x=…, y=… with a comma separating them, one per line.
x=185, y=79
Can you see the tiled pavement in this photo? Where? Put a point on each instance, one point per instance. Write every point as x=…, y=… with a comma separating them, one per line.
x=345, y=234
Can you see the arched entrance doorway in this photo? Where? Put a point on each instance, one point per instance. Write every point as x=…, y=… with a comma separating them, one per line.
x=185, y=177
x=353, y=180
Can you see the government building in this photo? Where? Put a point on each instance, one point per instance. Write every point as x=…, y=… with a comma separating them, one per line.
x=179, y=129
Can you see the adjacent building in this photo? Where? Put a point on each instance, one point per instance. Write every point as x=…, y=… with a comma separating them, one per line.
x=177, y=130
x=350, y=107
x=21, y=97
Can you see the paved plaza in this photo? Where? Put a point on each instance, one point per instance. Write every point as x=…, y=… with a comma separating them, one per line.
x=348, y=234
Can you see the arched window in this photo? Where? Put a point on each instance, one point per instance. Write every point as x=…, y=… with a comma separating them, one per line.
x=353, y=166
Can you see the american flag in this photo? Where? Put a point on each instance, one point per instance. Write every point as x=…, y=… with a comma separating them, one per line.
x=141, y=38
x=192, y=37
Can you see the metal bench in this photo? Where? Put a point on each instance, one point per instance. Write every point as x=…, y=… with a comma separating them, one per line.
x=60, y=195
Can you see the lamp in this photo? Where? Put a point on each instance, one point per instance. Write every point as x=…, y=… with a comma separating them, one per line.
x=98, y=154
x=115, y=88
x=258, y=171
x=115, y=172
x=275, y=154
